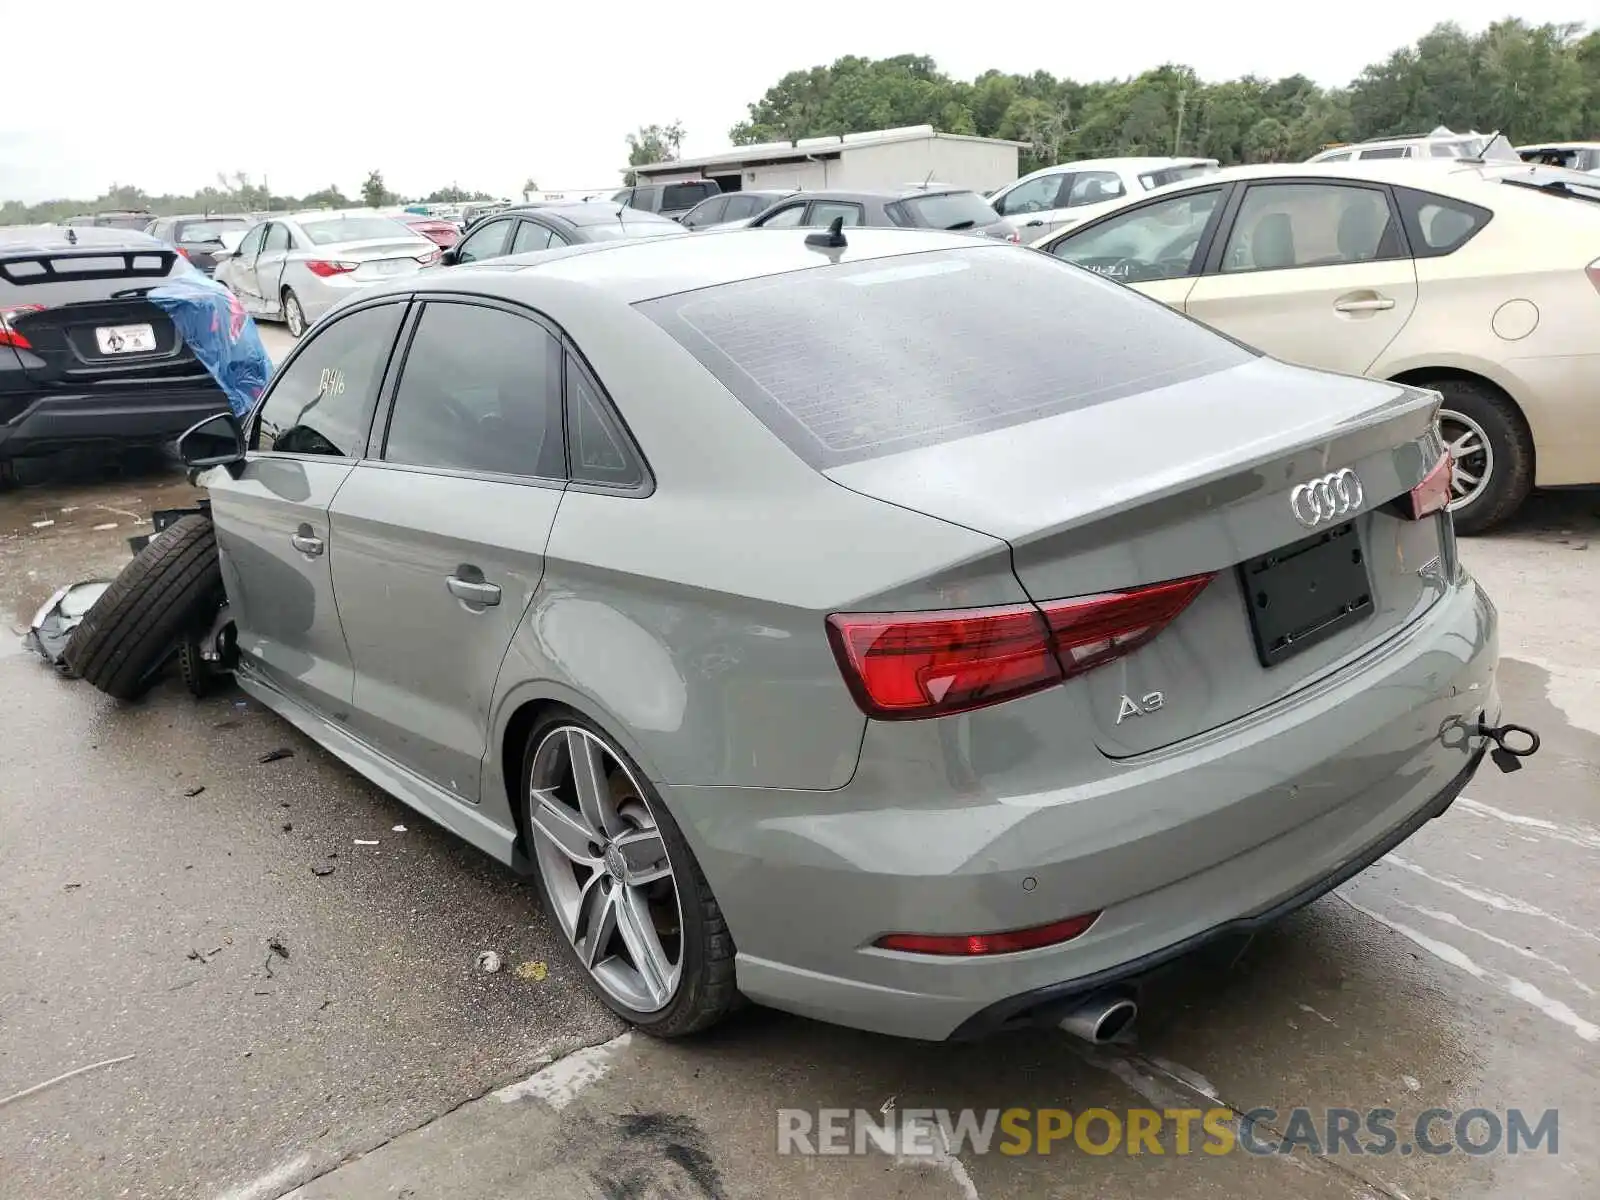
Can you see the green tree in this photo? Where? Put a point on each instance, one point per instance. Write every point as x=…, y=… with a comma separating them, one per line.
x=374, y=193
x=328, y=197
x=652, y=144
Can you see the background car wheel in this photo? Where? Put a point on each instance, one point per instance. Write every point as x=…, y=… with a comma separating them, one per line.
x=173, y=583
x=1493, y=453
x=621, y=884
x=293, y=315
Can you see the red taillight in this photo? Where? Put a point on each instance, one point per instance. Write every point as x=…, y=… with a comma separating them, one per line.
x=8, y=333
x=910, y=666
x=1092, y=630
x=969, y=945
x=324, y=269
x=181, y=251
x=1014, y=238
x=1593, y=272
x=429, y=257
x=1433, y=493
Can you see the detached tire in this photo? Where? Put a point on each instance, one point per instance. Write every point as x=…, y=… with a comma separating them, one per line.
x=173, y=583
x=1495, y=474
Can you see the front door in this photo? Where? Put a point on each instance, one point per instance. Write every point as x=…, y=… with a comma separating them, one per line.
x=242, y=270
x=438, y=542
x=1155, y=247
x=272, y=525
x=1312, y=272
x=269, y=268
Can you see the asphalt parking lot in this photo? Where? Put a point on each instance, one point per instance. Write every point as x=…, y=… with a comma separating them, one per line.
x=166, y=899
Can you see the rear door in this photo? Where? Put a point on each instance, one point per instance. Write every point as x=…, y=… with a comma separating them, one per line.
x=490, y=240
x=1313, y=272
x=439, y=538
x=1031, y=205
x=77, y=318
x=1156, y=248
x=272, y=519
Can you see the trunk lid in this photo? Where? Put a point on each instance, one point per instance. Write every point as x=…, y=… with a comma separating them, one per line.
x=383, y=259
x=92, y=325
x=1195, y=479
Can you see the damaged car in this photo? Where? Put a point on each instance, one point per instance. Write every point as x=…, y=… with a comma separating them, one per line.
x=895, y=627
x=91, y=352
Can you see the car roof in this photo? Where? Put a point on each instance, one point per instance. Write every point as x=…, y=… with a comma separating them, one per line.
x=591, y=212
x=37, y=238
x=637, y=269
x=1129, y=163
x=1439, y=174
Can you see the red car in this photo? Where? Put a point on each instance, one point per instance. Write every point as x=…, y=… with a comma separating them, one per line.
x=441, y=233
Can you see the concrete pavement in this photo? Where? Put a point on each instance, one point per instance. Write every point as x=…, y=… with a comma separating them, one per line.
x=367, y=1056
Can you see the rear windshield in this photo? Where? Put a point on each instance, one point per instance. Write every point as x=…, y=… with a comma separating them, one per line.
x=870, y=358
x=1170, y=175
x=685, y=195
x=208, y=230
x=353, y=229
x=951, y=210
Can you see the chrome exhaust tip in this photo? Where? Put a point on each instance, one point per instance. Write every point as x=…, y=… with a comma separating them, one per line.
x=1100, y=1018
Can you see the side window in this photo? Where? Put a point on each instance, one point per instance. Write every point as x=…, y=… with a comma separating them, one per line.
x=322, y=402
x=530, y=236
x=1094, y=187
x=480, y=391
x=707, y=212
x=1155, y=241
x=1386, y=152
x=601, y=452
x=742, y=207
x=252, y=242
x=1438, y=225
x=488, y=242
x=277, y=239
x=1341, y=156
x=824, y=211
x=1286, y=225
x=1037, y=195
x=643, y=198
x=785, y=218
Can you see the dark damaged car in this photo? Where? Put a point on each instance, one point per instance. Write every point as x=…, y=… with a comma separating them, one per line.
x=85, y=357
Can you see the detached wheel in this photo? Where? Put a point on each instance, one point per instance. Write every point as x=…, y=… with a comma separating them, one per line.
x=174, y=583
x=293, y=315
x=621, y=883
x=1493, y=453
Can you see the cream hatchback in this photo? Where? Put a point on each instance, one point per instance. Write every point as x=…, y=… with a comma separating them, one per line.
x=1480, y=280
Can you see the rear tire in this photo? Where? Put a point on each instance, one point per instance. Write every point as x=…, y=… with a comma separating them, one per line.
x=293, y=315
x=675, y=906
x=1494, y=469
x=171, y=585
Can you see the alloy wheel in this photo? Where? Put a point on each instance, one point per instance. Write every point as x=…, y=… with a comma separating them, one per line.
x=1471, y=454
x=294, y=316
x=606, y=868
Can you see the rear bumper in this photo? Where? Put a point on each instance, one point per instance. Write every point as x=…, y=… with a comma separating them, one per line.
x=948, y=828
x=147, y=417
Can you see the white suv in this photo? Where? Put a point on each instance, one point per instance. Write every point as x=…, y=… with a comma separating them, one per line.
x=1441, y=143
x=1063, y=195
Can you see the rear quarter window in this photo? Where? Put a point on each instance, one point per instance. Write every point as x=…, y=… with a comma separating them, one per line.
x=1439, y=225
x=866, y=359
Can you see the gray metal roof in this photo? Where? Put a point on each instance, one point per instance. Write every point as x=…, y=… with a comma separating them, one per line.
x=832, y=145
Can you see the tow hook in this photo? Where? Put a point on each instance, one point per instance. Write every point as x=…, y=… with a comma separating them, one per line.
x=1512, y=744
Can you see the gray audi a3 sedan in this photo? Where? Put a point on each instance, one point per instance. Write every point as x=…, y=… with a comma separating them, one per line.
x=894, y=627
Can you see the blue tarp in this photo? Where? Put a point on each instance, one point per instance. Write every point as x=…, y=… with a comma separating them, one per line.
x=215, y=326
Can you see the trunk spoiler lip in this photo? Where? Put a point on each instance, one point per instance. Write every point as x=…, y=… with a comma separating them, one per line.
x=45, y=261
x=1153, y=488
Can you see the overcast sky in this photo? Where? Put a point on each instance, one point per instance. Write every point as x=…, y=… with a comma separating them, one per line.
x=486, y=94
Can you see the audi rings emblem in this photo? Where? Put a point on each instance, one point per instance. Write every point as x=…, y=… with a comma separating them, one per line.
x=1318, y=501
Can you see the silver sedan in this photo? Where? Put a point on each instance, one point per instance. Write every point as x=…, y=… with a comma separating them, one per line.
x=294, y=268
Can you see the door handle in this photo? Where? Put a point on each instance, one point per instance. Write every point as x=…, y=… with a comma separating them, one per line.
x=473, y=591
x=1375, y=304
x=306, y=542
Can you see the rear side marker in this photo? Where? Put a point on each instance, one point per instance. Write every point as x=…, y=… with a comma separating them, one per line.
x=978, y=945
x=914, y=665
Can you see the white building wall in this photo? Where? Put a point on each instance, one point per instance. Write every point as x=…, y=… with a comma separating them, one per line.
x=980, y=166
x=808, y=175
